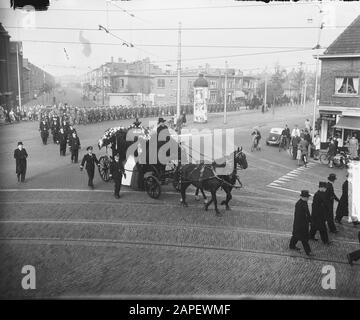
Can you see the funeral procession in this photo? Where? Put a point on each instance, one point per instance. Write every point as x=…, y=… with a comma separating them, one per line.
x=178, y=149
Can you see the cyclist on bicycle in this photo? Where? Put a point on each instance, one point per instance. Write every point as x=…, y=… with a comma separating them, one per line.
x=256, y=136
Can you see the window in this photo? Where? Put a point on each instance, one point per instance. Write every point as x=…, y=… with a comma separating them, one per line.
x=347, y=85
x=212, y=96
x=213, y=84
x=161, y=83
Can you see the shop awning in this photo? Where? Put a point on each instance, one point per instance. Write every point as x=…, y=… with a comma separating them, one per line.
x=352, y=123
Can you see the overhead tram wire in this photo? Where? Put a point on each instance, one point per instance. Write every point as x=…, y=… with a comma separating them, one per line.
x=178, y=8
x=172, y=45
x=233, y=56
x=176, y=29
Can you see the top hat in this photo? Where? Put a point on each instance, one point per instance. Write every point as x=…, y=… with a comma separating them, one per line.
x=305, y=194
x=322, y=184
x=160, y=120
x=20, y=143
x=332, y=177
x=89, y=148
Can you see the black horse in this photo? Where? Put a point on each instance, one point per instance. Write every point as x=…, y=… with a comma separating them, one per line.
x=204, y=177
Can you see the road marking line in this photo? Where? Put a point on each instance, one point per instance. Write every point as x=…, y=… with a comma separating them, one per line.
x=278, y=181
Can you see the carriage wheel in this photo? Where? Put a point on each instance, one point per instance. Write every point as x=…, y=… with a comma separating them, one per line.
x=153, y=187
x=104, y=168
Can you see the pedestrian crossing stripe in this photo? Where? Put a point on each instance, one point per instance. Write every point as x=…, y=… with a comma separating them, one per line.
x=278, y=183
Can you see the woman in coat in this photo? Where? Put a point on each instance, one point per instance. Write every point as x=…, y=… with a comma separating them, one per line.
x=353, y=147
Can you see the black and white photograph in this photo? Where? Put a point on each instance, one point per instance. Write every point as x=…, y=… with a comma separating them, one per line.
x=179, y=150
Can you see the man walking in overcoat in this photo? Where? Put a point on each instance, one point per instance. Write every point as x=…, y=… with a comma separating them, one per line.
x=90, y=160
x=116, y=172
x=62, y=142
x=44, y=131
x=74, y=144
x=318, y=214
x=301, y=223
x=355, y=255
x=330, y=197
x=20, y=155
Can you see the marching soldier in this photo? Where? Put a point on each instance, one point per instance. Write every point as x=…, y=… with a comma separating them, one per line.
x=90, y=160
x=301, y=223
x=20, y=155
x=74, y=144
x=44, y=131
x=318, y=214
x=55, y=127
x=62, y=142
x=116, y=172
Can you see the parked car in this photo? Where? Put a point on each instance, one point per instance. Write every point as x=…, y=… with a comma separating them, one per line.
x=274, y=136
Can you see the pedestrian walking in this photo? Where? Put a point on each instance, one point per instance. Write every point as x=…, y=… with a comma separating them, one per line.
x=21, y=155
x=353, y=147
x=318, y=214
x=317, y=144
x=116, y=172
x=301, y=224
x=90, y=160
x=295, y=140
x=330, y=197
x=355, y=255
x=44, y=131
x=303, y=149
x=332, y=150
x=62, y=142
x=74, y=144
x=342, y=209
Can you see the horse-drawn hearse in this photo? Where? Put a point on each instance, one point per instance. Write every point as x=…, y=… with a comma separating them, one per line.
x=149, y=172
x=134, y=141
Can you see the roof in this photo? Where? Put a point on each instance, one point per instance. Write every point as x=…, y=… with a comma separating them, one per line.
x=347, y=42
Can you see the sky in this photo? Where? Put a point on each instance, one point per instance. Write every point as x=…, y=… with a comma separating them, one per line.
x=249, y=36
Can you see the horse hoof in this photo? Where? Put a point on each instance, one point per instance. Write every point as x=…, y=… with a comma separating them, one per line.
x=185, y=204
x=206, y=208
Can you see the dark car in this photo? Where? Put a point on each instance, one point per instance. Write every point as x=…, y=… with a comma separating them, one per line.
x=274, y=136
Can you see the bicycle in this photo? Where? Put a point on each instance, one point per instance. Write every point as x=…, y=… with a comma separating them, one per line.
x=255, y=145
x=283, y=143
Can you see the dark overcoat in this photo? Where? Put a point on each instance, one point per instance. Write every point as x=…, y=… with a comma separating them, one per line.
x=90, y=161
x=20, y=156
x=330, y=197
x=74, y=143
x=343, y=206
x=319, y=209
x=117, y=170
x=301, y=221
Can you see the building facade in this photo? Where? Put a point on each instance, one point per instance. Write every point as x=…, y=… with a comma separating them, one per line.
x=339, y=103
x=5, y=86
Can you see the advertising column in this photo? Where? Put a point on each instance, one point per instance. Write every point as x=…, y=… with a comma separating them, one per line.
x=200, y=99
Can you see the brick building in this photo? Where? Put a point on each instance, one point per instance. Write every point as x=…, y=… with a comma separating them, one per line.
x=339, y=103
x=5, y=87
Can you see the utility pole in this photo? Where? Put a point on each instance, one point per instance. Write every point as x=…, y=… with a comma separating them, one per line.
x=18, y=73
x=317, y=47
x=225, y=93
x=265, y=93
x=102, y=84
x=178, y=97
x=305, y=84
